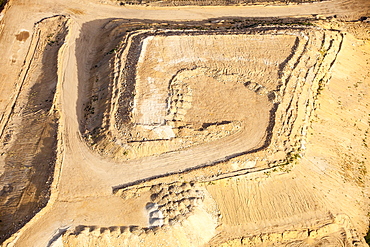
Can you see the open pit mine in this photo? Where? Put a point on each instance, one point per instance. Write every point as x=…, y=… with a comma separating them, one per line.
x=144, y=124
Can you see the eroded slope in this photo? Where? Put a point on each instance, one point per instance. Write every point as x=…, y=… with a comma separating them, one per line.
x=30, y=136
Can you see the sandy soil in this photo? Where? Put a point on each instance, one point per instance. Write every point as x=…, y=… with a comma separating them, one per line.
x=295, y=195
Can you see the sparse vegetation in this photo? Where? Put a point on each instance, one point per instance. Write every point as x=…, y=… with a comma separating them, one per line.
x=367, y=237
x=292, y=158
x=357, y=84
x=50, y=41
x=321, y=87
x=364, y=140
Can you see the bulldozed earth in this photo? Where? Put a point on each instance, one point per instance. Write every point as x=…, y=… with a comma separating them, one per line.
x=189, y=126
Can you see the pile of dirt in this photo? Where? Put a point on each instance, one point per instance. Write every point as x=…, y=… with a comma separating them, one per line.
x=30, y=137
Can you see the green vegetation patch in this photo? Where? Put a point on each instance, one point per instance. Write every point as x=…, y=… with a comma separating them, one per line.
x=367, y=237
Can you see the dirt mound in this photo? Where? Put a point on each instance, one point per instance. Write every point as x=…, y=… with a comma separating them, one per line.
x=29, y=137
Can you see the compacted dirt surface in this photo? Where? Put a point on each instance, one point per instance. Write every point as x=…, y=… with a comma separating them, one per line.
x=141, y=124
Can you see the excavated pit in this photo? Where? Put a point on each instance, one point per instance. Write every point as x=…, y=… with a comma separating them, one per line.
x=170, y=91
x=199, y=87
x=210, y=96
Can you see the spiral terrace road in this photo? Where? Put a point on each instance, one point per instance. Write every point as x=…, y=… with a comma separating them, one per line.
x=79, y=156
x=73, y=196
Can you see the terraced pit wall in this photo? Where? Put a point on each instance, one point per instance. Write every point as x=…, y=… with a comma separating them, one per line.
x=107, y=111
x=118, y=71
